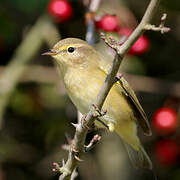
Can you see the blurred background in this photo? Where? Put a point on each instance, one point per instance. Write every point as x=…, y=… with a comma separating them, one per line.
x=35, y=112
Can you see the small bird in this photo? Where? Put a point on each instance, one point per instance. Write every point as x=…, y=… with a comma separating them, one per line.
x=83, y=70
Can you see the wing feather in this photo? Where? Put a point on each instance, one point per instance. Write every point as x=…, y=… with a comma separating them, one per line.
x=141, y=117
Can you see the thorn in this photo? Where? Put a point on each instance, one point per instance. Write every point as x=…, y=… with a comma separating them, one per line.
x=63, y=162
x=164, y=16
x=75, y=125
x=78, y=159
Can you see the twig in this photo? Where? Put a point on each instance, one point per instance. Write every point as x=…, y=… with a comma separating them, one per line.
x=140, y=28
x=92, y=143
x=161, y=27
x=81, y=131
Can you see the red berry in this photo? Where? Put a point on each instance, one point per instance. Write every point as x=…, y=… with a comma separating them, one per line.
x=61, y=10
x=165, y=121
x=108, y=23
x=140, y=46
x=166, y=152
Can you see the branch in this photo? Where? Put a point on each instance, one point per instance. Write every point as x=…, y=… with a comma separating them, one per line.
x=81, y=128
x=163, y=29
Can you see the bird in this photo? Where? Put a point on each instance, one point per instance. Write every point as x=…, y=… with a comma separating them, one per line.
x=83, y=70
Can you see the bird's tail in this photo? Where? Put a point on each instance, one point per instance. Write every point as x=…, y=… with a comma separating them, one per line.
x=137, y=154
x=139, y=158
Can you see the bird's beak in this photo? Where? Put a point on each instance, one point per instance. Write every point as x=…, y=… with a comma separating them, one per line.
x=50, y=53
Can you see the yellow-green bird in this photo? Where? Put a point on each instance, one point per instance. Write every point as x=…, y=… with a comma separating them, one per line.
x=84, y=70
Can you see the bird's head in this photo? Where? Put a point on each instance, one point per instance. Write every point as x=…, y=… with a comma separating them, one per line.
x=73, y=53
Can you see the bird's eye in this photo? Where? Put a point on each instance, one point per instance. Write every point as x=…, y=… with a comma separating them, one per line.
x=71, y=49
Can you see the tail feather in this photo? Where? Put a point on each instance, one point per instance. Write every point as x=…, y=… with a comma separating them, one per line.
x=137, y=154
x=139, y=158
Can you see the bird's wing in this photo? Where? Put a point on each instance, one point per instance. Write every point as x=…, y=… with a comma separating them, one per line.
x=131, y=97
x=122, y=84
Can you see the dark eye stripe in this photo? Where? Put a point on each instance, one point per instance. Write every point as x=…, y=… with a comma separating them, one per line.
x=71, y=49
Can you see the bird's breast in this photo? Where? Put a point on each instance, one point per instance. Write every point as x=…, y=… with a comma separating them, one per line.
x=82, y=87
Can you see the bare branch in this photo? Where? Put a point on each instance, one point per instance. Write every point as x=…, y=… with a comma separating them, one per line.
x=161, y=27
